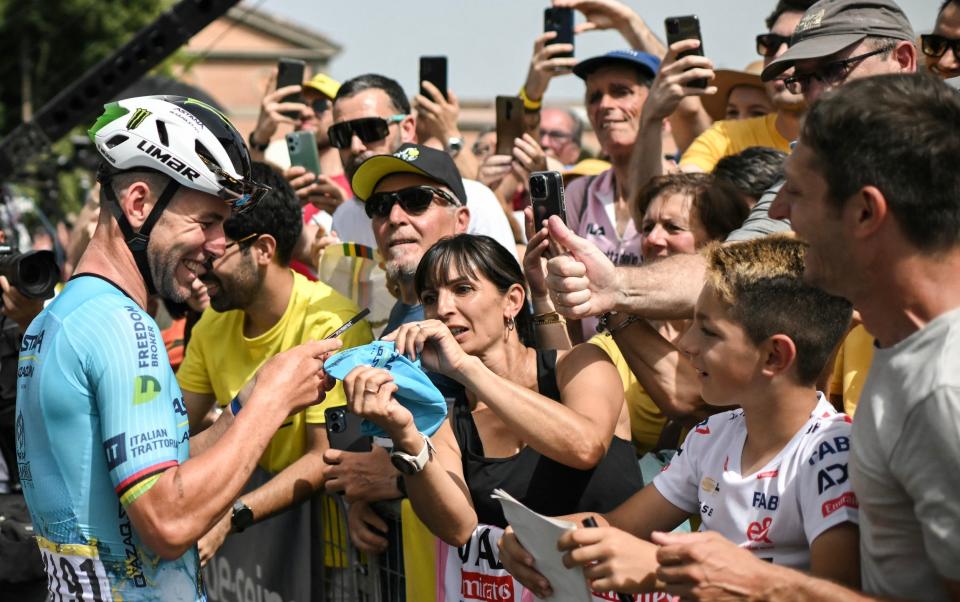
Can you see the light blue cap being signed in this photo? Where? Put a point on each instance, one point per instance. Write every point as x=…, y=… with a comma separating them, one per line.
x=414, y=389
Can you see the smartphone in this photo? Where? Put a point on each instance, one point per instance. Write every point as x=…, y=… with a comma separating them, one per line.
x=433, y=69
x=686, y=28
x=509, y=122
x=559, y=20
x=290, y=72
x=302, y=147
x=343, y=431
x=546, y=196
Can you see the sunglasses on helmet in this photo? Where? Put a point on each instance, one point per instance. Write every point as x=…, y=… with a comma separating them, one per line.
x=241, y=195
x=413, y=200
x=768, y=44
x=367, y=129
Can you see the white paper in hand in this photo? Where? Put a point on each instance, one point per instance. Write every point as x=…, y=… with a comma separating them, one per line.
x=539, y=535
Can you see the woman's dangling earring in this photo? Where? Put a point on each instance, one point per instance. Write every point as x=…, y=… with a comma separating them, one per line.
x=511, y=324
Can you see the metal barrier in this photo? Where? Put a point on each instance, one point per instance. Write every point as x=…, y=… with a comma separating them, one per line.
x=349, y=575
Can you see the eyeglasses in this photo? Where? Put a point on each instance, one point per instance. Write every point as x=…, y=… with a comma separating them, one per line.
x=832, y=74
x=556, y=135
x=367, y=129
x=768, y=44
x=413, y=200
x=934, y=45
x=248, y=238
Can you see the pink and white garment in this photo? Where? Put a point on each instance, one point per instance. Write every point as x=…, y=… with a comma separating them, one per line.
x=473, y=573
x=778, y=511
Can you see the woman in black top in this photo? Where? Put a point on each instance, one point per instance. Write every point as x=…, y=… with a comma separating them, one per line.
x=552, y=432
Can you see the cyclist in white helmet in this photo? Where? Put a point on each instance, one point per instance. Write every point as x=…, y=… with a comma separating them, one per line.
x=118, y=493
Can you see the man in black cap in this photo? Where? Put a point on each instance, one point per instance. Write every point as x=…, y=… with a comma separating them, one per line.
x=413, y=197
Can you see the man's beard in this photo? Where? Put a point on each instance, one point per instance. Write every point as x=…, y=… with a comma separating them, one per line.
x=239, y=294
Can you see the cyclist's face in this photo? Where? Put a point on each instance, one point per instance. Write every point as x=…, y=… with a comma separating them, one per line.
x=188, y=233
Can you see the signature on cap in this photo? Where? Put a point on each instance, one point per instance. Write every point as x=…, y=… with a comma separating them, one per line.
x=408, y=154
x=810, y=21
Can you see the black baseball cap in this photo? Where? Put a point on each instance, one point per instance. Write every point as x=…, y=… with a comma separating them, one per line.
x=409, y=158
x=829, y=26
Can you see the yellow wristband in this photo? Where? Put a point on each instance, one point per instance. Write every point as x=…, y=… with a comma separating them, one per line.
x=529, y=103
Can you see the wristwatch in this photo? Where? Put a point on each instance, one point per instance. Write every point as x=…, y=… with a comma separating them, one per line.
x=454, y=145
x=254, y=145
x=410, y=465
x=242, y=516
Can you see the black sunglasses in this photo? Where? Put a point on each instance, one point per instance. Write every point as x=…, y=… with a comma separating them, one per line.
x=413, y=200
x=832, y=74
x=934, y=45
x=319, y=105
x=367, y=129
x=768, y=44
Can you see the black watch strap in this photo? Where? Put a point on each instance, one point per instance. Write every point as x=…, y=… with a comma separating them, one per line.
x=254, y=145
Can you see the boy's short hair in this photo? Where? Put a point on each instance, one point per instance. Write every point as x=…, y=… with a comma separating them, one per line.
x=761, y=281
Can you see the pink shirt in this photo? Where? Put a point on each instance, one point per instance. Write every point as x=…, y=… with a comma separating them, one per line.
x=596, y=221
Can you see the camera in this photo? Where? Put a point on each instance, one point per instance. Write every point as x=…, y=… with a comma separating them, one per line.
x=34, y=273
x=336, y=420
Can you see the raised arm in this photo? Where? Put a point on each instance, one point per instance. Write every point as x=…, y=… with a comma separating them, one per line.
x=576, y=432
x=187, y=499
x=611, y=14
x=437, y=493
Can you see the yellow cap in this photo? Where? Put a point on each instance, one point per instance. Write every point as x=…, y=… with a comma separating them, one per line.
x=587, y=167
x=323, y=84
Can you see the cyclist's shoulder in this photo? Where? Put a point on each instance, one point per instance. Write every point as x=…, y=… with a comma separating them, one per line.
x=95, y=310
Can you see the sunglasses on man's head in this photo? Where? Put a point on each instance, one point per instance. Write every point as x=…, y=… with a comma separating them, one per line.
x=367, y=129
x=934, y=45
x=768, y=44
x=413, y=200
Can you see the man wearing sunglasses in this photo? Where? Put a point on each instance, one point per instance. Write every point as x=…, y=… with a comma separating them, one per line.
x=372, y=116
x=774, y=130
x=942, y=47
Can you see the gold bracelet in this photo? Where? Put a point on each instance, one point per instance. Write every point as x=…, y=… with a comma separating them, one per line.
x=529, y=103
x=548, y=318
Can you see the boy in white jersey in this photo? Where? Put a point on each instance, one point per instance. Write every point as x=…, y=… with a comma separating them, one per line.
x=770, y=476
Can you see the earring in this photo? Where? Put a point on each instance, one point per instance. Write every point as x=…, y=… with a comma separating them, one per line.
x=511, y=324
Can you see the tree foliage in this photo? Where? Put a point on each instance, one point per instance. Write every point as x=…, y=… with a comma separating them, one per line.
x=55, y=41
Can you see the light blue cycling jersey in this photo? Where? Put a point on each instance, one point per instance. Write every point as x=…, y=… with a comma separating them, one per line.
x=99, y=417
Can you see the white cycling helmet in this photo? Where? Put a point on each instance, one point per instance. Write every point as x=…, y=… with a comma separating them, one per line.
x=189, y=141
x=185, y=139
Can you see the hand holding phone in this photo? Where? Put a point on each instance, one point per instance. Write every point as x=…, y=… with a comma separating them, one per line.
x=302, y=148
x=686, y=28
x=343, y=431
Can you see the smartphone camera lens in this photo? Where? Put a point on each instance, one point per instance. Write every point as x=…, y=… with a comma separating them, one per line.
x=673, y=27
x=337, y=423
x=538, y=187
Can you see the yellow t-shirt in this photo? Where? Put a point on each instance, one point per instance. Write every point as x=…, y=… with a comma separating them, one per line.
x=646, y=419
x=220, y=360
x=851, y=367
x=729, y=137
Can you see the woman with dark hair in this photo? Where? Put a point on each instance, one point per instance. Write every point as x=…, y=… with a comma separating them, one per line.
x=551, y=431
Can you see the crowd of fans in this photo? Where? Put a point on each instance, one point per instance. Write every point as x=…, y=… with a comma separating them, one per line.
x=743, y=268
